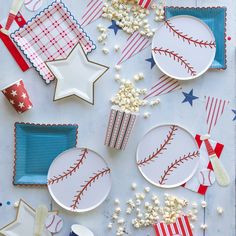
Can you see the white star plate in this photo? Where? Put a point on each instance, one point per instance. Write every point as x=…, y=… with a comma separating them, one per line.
x=76, y=75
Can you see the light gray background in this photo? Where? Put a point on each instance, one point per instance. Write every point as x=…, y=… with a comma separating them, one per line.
x=93, y=120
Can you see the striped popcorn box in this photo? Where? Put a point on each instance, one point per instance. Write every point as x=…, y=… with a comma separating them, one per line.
x=119, y=128
x=144, y=3
x=180, y=228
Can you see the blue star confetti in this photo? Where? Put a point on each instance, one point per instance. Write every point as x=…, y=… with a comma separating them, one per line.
x=234, y=111
x=189, y=97
x=114, y=26
x=151, y=60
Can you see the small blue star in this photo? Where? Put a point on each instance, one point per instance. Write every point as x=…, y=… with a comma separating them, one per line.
x=114, y=26
x=189, y=97
x=234, y=111
x=151, y=60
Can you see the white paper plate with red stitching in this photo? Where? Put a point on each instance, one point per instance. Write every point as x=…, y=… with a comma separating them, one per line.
x=168, y=156
x=184, y=47
x=79, y=180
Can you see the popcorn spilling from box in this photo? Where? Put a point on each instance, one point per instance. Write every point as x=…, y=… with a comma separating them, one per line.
x=128, y=97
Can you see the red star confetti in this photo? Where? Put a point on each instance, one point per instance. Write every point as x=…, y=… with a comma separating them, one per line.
x=18, y=96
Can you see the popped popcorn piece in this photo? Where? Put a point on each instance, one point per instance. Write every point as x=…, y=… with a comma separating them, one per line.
x=105, y=51
x=117, y=201
x=203, y=226
x=116, y=48
x=147, y=189
x=118, y=67
x=110, y=225
x=134, y=186
x=146, y=115
x=220, y=210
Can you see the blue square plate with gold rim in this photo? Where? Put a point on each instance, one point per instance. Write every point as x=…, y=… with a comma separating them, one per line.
x=215, y=18
x=36, y=146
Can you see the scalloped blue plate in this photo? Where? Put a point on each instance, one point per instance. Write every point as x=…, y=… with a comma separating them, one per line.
x=215, y=18
x=36, y=146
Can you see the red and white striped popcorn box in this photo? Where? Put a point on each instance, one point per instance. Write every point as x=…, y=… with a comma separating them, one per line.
x=17, y=95
x=144, y=3
x=180, y=228
x=119, y=128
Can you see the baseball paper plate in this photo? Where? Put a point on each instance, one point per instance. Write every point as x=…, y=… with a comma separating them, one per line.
x=168, y=156
x=79, y=180
x=183, y=47
x=215, y=18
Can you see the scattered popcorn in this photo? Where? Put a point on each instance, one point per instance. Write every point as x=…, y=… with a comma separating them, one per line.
x=154, y=6
x=146, y=115
x=109, y=226
x=105, y=51
x=118, y=67
x=203, y=226
x=114, y=216
x=121, y=221
x=160, y=13
x=155, y=102
x=134, y=186
x=138, y=77
x=103, y=35
x=204, y=204
x=192, y=226
x=129, y=16
x=147, y=189
x=117, y=201
x=117, y=48
x=138, y=202
x=118, y=210
x=117, y=77
x=16, y=204
x=220, y=210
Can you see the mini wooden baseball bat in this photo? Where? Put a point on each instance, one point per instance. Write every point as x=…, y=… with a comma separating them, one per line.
x=40, y=216
x=221, y=174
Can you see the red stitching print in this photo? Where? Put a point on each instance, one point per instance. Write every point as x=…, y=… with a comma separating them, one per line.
x=87, y=184
x=162, y=147
x=177, y=58
x=175, y=164
x=187, y=38
x=72, y=169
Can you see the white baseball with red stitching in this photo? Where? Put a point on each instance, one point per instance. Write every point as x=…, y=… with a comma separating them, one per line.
x=206, y=177
x=54, y=223
x=33, y=5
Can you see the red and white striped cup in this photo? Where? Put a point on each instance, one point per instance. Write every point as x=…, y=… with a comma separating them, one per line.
x=119, y=128
x=18, y=97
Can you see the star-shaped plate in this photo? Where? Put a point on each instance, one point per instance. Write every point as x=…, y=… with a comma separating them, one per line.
x=76, y=75
x=24, y=222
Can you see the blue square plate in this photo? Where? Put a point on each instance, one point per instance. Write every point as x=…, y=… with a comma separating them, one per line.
x=215, y=18
x=36, y=146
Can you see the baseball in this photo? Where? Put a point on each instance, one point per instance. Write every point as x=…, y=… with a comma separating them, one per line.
x=79, y=180
x=33, y=5
x=54, y=223
x=206, y=177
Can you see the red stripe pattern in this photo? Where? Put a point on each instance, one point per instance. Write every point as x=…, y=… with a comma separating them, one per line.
x=215, y=108
x=180, y=228
x=164, y=85
x=92, y=12
x=135, y=44
x=144, y=3
x=194, y=184
x=119, y=129
x=51, y=35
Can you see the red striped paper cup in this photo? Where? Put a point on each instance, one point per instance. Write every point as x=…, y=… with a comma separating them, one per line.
x=17, y=95
x=119, y=128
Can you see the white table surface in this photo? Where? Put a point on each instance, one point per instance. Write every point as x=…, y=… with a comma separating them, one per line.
x=92, y=122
